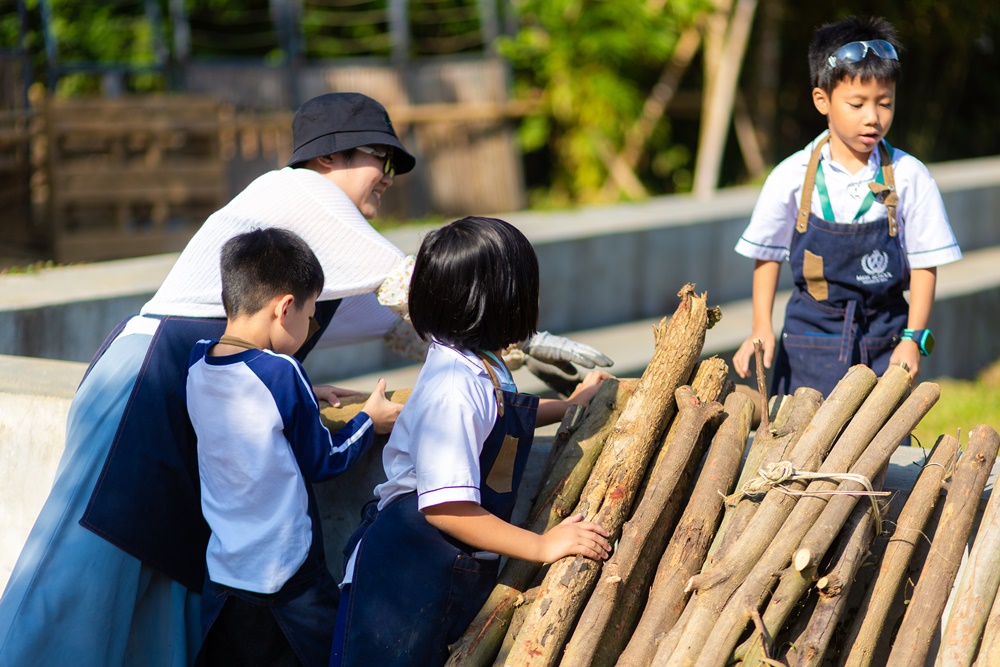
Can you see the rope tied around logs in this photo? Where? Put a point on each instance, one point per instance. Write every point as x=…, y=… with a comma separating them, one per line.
x=774, y=476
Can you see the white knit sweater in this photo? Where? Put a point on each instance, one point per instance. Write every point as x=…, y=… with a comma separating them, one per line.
x=354, y=256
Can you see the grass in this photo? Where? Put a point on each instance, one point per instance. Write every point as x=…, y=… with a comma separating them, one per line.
x=963, y=405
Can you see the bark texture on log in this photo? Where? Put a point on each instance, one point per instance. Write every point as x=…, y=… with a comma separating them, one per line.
x=989, y=649
x=976, y=592
x=625, y=576
x=815, y=543
x=608, y=497
x=810, y=647
x=689, y=544
x=714, y=587
x=710, y=383
x=516, y=621
x=869, y=632
x=876, y=410
x=769, y=447
x=923, y=614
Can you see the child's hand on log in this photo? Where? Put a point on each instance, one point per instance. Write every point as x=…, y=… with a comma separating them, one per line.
x=382, y=411
x=585, y=391
x=332, y=395
x=575, y=537
x=907, y=353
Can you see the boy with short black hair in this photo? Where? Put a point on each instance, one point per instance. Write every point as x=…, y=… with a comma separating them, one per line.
x=268, y=596
x=873, y=226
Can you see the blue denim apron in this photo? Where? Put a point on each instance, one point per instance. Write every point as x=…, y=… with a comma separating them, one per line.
x=415, y=589
x=847, y=307
x=147, y=501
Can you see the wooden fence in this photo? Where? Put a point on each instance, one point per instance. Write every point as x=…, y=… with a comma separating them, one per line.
x=128, y=176
x=91, y=179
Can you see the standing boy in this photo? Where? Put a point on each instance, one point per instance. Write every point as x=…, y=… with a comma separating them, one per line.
x=873, y=226
x=268, y=596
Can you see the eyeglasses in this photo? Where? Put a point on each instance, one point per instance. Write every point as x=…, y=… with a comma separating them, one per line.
x=388, y=168
x=855, y=52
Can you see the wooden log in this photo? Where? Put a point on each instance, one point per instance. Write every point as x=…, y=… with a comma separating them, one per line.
x=810, y=647
x=516, y=622
x=710, y=382
x=864, y=429
x=769, y=447
x=608, y=499
x=923, y=614
x=989, y=648
x=869, y=628
x=815, y=543
x=975, y=593
x=626, y=575
x=561, y=490
x=791, y=588
x=335, y=418
x=571, y=421
x=558, y=495
x=714, y=586
x=687, y=548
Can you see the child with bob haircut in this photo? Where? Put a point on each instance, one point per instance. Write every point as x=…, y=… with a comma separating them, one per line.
x=268, y=598
x=859, y=221
x=424, y=561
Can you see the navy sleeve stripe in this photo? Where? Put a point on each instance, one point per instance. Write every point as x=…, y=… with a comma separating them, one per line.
x=463, y=486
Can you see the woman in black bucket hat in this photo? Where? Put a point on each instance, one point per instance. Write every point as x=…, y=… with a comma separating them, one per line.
x=112, y=569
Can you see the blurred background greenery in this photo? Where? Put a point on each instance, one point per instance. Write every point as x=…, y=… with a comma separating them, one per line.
x=590, y=67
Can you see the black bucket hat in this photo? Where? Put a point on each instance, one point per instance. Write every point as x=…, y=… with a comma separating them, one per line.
x=338, y=122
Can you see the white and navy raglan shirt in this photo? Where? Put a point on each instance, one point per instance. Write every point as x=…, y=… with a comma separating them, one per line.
x=925, y=231
x=260, y=440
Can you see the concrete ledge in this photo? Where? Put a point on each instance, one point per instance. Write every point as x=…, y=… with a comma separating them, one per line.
x=35, y=396
x=601, y=267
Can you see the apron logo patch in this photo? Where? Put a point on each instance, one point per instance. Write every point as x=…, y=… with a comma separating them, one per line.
x=874, y=265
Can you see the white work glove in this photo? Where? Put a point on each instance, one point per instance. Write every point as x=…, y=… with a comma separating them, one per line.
x=563, y=352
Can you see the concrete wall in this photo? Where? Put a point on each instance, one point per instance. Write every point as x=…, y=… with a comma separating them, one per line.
x=601, y=266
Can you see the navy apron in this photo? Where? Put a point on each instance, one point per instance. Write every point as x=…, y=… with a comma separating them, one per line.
x=847, y=307
x=427, y=585
x=147, y=501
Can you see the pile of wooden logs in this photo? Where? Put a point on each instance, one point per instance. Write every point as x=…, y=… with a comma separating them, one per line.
x=727, y=555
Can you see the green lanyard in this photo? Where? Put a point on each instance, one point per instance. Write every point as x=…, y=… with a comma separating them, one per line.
x=824, y=196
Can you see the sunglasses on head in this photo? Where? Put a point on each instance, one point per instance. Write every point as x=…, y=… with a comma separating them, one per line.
x=388, y=168
x=855, y=52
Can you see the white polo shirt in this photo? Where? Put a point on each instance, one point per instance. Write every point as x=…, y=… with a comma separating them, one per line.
x=924, y=229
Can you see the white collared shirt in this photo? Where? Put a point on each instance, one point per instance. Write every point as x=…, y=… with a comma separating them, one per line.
x=436, y=442
x=925, y=231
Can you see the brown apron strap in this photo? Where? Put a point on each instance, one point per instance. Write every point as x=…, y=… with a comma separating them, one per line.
x=226, y=339
x=496, y=381
x=886, y=193
x=807, y=188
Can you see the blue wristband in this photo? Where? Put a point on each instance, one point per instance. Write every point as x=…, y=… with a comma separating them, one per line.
x=922, y=337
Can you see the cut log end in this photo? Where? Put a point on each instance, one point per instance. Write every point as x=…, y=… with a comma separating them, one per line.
x=801, y=559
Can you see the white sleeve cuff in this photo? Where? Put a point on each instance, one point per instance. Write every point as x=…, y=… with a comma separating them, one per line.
x=448, y=494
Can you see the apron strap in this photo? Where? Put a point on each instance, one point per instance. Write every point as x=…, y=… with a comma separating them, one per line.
x=235, y=341
x=496, y=381
x=807, y=188
x=886, y=193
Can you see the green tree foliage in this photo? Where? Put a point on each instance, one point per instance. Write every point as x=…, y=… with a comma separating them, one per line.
x=94, y=37
x=591, y=64
x=947, y=99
